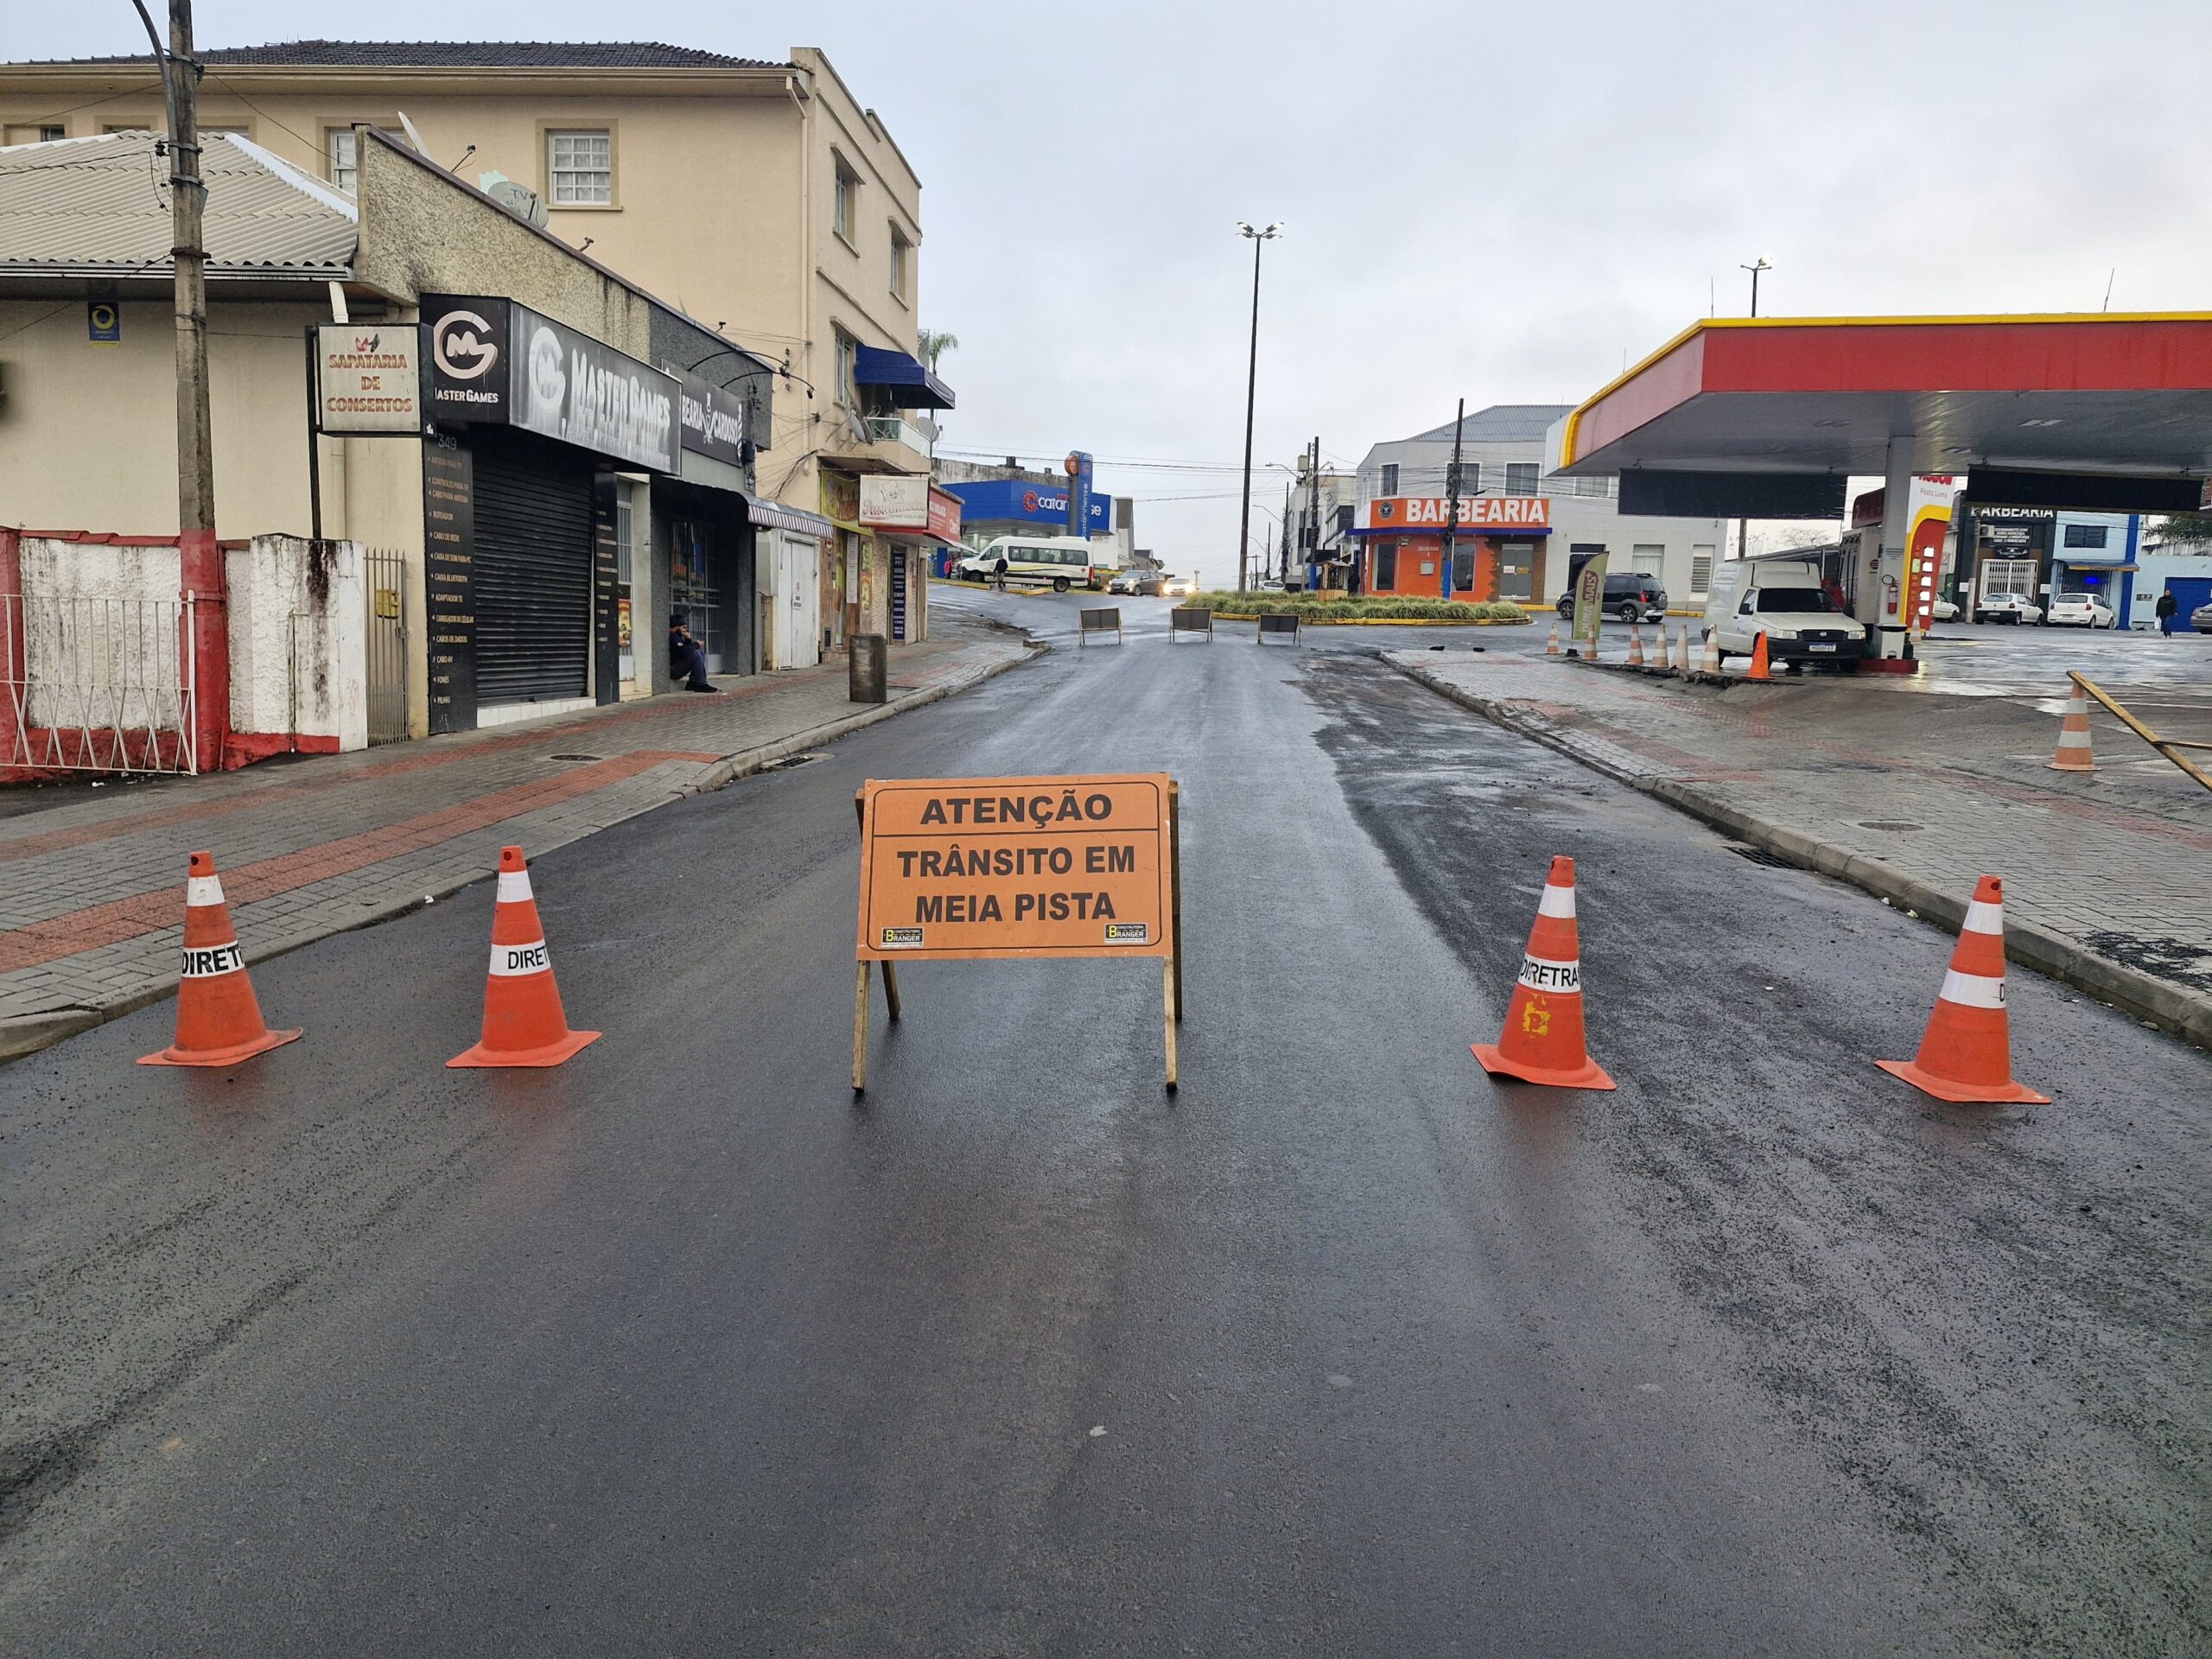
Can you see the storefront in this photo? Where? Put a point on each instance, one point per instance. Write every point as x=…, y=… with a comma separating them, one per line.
x=846, y=559
x=524, y=538
x=1497, y=552
x=791, y=546
x=2004, y=550
x=702, y=521
x=913, y=521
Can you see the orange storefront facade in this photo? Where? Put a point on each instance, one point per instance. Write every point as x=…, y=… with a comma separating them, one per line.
x=1498, y=550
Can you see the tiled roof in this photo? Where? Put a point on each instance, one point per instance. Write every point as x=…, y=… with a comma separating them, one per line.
x=1502, y=424
x=464, y=54
x=102, y=205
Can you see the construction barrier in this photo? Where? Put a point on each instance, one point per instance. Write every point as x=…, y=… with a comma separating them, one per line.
x=1104, y=619
x=1190, y=619
x=1278, y=622
x=218, y=1017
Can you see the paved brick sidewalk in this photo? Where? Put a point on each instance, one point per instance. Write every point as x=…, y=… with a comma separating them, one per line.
x=1912, y=797
x=91, y=892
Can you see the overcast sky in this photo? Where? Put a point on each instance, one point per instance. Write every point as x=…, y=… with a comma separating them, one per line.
x=1503, y=204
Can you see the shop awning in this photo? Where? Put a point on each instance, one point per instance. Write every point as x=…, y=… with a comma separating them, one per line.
x=917, y=386
x=770, y=516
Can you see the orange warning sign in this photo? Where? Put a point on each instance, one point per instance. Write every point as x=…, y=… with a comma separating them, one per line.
x=981, y=867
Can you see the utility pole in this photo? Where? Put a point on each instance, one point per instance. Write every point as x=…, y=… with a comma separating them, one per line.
x=1312, y=551
x=1251, y=387
x=200, y=559
x=1451, y=496
x=1743, y=525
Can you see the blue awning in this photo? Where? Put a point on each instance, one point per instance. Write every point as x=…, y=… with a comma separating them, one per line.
x=918, y=387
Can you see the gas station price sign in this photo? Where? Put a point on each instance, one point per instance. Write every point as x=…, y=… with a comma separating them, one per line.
x=975, y=869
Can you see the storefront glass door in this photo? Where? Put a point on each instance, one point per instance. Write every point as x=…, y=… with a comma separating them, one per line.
x=694, y=590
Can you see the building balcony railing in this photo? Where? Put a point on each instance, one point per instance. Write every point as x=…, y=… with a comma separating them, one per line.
x=920, y=436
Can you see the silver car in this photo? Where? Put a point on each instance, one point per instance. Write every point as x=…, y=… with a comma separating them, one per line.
x=2200, y=619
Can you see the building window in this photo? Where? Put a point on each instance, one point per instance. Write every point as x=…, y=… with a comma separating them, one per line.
x=847, y=209
x=1648, y=558
x=1386, y=566
x=847, y=356
x=2086, y=535
x=1521, y=477
x=339, y=155
x=50, y=135
x=902, y=252
x=580, y=168
x=1700, y=571
x=1390, y=477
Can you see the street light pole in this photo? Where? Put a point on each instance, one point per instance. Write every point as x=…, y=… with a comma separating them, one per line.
x=1251, y=388
x=1743, y=525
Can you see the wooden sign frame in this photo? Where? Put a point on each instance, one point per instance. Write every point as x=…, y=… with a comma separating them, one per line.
x=1171, y=957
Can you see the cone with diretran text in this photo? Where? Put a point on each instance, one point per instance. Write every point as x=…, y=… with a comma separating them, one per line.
x=2074, y=754
x=218, y=1017
x=1542, y=1040
x=523, y=1024
x=1967, y=1054
x=1710, y=662
x=1552, y=648
x=1635, y=646
x=1758, y=670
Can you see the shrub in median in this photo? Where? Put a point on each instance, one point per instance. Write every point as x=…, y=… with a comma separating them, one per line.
x=1315, y=607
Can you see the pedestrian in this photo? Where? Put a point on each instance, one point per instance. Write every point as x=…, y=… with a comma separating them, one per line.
x=2166, y=609
x=998, y=574
x=687, y=658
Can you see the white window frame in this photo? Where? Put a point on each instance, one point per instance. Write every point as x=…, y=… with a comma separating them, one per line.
x=1648, y=559
x=847, y=364
x=577, y=166
x=845, y=201
x=1524, y=472
x=341, y=174
x=902, y=259
x=1389, y=480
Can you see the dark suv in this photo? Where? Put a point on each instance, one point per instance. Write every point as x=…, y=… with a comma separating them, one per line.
x=1631, y=598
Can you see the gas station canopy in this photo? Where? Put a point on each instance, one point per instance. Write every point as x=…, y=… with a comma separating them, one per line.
x=1767, y=417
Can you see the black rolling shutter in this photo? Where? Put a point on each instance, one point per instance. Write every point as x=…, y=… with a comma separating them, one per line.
x=533, y=568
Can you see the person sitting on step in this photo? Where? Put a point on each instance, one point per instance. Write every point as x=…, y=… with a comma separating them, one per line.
x=687, y=658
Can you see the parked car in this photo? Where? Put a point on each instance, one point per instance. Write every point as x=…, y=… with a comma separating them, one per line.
x=2200, y=619
x=1629, y=597
x=1943, y=611
x=2007, y=607
x=1787, y=600
x=2081, y=611
x=1124, y=583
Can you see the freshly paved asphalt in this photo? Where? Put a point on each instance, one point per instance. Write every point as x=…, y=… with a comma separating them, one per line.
x=678, y=1349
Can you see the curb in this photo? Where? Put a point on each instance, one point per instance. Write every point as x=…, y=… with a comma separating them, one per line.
x=27, y=1033
x=1379, y=621
x=2183, y=1014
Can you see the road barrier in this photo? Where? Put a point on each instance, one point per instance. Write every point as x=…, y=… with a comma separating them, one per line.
x=1758, y=669
x=1278, y=622
x=218, y=1017
x=1104, y=619
x=1542, y=1041
x=1190, y=619
x=2164, y=746
x=1551, y=646
x=1017, y=869
x=1635, y=645
x=2077, y=752
x=1710, y=664
x=524, y=1022
x=1966, y=1053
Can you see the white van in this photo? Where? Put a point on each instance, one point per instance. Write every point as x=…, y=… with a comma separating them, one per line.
x=1061, y=561
x=1784, y=600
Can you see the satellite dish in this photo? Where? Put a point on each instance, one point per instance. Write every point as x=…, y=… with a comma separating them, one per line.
x=413, y=136
x=517, y=199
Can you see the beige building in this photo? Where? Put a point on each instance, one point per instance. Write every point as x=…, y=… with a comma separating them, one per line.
x=762, y=198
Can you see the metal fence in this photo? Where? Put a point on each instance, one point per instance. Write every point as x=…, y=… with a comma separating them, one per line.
x=96, y=684
x=385, y=574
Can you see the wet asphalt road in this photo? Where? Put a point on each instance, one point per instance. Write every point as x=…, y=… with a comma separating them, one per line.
x=677, y=1350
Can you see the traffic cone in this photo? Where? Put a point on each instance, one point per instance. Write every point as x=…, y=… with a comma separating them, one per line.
x=1552, y=648
x=1710, y=662
x=2073, y=751
x=1659, y=657
x=1635, y=646
x=523, y=1021
x=1759, y=659
x=1967, y=1054
x=217, y=1020
x=1542, y=1040
x=1683, y=653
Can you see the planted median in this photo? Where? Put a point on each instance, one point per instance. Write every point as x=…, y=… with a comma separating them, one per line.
x=1320, y=610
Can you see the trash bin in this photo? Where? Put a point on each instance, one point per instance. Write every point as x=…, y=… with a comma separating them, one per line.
x=869, y=669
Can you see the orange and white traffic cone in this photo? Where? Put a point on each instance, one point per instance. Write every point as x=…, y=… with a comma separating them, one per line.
x=1967, y=1053
x=218, y=1019
x=1552, y=648
x=1710, y=664
x=1542, y=1040
x=2074, y=754
x=1635, y=646
x=1682, y=664
x=1659, y=656
x=523, y=1024
x=1758, y=670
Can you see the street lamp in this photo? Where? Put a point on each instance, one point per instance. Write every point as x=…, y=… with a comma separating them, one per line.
x=1763, y=265
x=1251, y=386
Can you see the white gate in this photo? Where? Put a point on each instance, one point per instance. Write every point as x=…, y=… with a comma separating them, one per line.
x=799, y=602
x=96, y=684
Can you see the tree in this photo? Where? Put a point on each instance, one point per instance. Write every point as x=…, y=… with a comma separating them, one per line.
x=933, y=343
x=2188, y=529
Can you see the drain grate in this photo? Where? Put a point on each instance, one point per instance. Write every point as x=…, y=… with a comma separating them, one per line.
x=1760, y=856
x=575, y=757
x=792, y=762
x=1888, y=823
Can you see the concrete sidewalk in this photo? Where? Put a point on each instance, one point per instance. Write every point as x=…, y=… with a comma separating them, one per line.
x=1912, y=797
x=92, y=888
